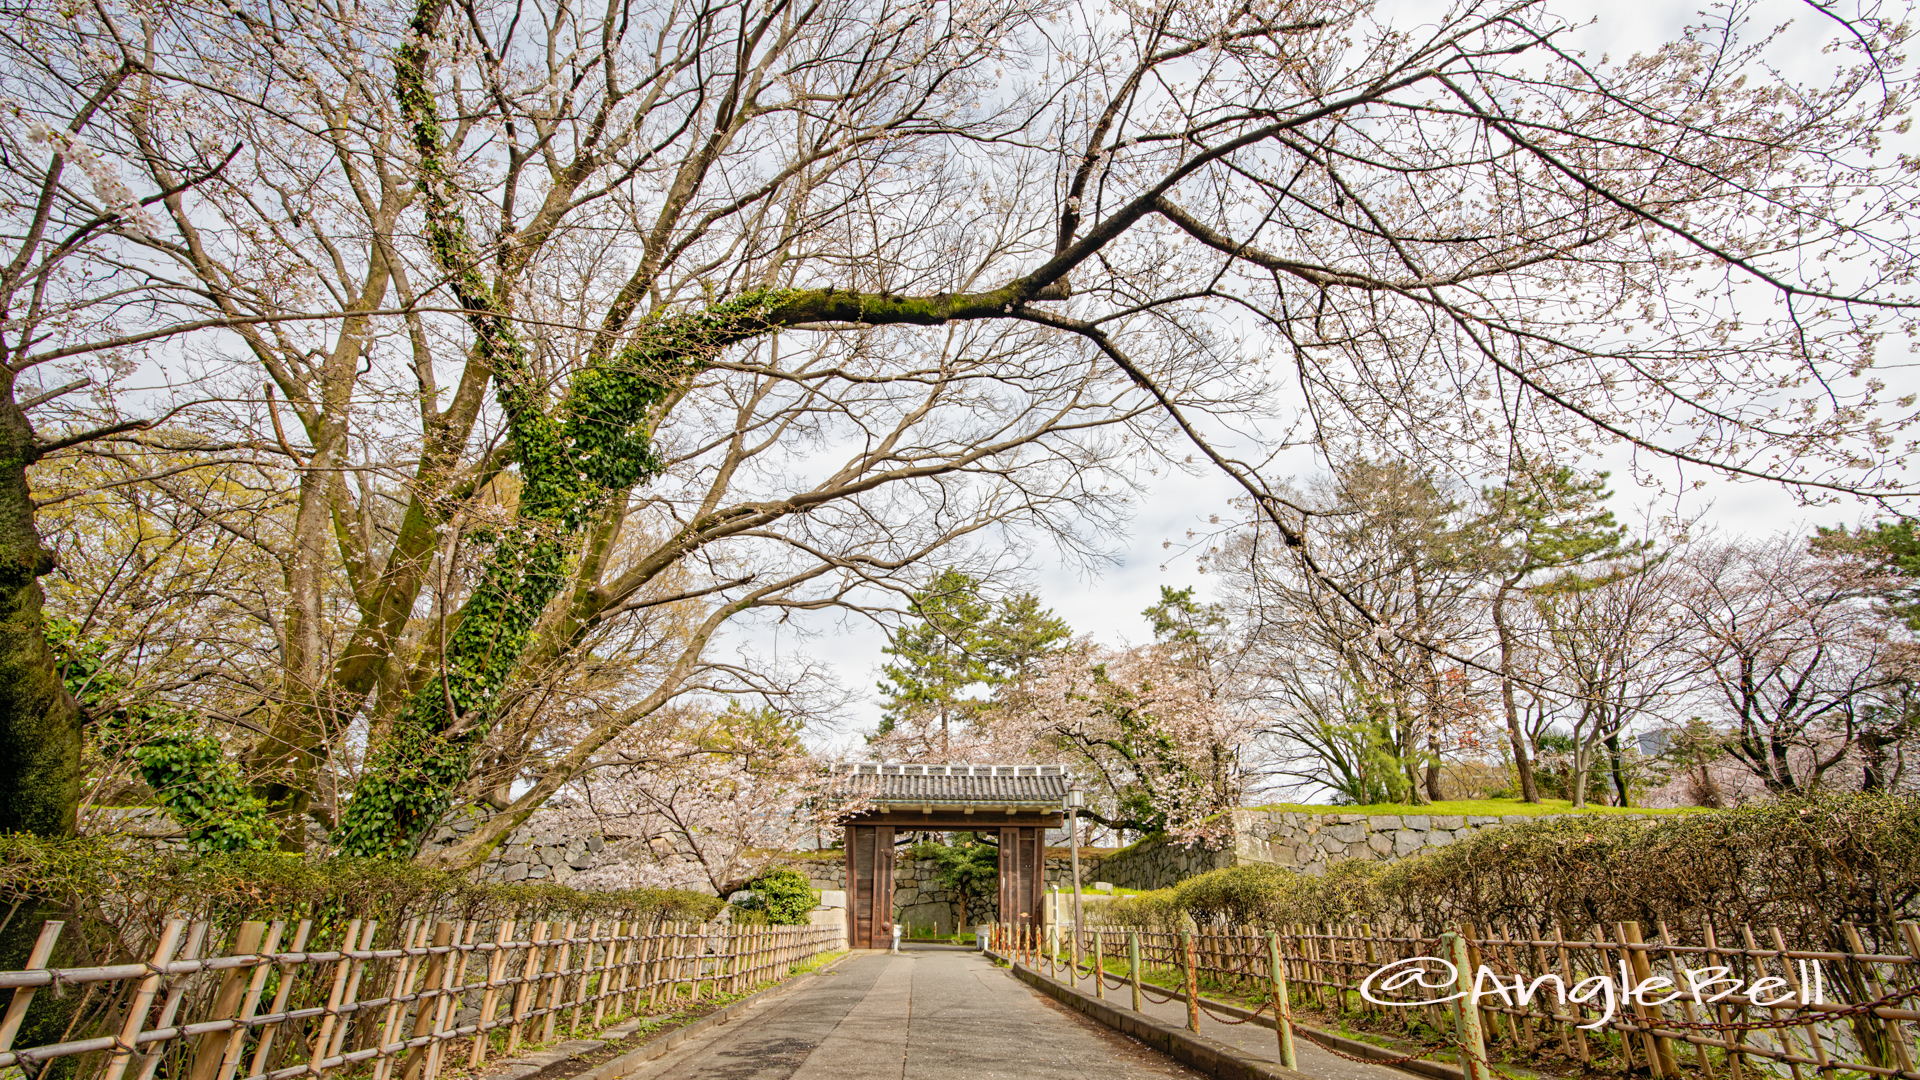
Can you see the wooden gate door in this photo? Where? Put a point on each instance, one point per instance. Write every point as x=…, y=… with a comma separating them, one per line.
x=1022, y=871
x=870, y=887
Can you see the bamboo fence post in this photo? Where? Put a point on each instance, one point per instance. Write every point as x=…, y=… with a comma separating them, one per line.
x=1736, y=1057
x=654, y=942
x=1073, y=955
x=557, y=985
x=425, y=1010
x=331, y=1014
x=354, y=974
x=176, y=990
x=1604, y=948
x=250, y=1002
x=1687, y=1011
x=633, y=968
x=605, y=982
x=734, y=974
x=1889, y=1029
x=1786, y=1042
x=23, y=996
x=239, y=990
x=580, y=980
x=1374, y=958
x=697, y=950
x=1133, y=966
x=1542, y=966
x=454, y=974
x=1188, y=960
x=1473, y=1043
x=1282, y=1007
x=675, y=964
x=124, y=1045
x=1813, y=1030
x=1909, y=932
x=527, y=988
x=281, y=993
x=1099, y=967
x=1659, y=1050
x=490, y=999
x=1566, y=976
x=633, y=965
x=404, y=966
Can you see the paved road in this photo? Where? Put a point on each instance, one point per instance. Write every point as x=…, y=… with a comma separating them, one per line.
x=922, y=1015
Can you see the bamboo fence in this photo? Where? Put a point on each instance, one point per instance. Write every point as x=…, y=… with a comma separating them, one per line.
x=443, y=995
x=1833, y=1013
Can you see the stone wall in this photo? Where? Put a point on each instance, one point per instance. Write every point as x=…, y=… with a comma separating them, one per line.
x=539, y=850
x=1297, y=840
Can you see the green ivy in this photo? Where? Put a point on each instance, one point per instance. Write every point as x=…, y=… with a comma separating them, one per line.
x=190, y=773
x=573, y=460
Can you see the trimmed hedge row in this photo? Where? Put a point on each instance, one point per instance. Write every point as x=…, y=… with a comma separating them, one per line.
x=1812, y=863
x=115, y=898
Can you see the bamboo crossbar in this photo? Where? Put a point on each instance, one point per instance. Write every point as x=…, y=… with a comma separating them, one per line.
x=436, y=982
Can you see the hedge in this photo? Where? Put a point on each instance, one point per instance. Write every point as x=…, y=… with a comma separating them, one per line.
x=1809, y=864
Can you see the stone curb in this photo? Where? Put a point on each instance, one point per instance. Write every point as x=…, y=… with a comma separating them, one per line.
x=1168, y=1039
x=534, y=1066
x=1439, y=1070
x=1197, y=1052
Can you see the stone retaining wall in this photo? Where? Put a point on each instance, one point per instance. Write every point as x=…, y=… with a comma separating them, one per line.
x=539, y=850
x=1297, y=840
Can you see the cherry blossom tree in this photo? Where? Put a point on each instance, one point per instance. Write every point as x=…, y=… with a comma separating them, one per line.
x=709, y=801
x=1149, y=734
x=1792, y=654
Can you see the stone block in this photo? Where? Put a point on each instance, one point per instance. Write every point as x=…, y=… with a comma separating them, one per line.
x=1383, y=823
x=1346, y=832
x=1416, y=821
x=1439, y=838
x=515, y=872
x=833, y=898
x=1483, y=820
x=1513, y=819
x=1381, y=843
x=1407, y=841
x=539, y=873
x=1449, y=821
x=596, y=843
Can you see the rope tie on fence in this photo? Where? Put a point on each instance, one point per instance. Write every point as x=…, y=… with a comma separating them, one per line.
x=1229, y=1020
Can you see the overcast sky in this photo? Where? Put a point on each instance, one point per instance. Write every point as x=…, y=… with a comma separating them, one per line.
x=1106, y=603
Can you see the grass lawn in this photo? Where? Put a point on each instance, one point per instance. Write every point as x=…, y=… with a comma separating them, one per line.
x=1475, y=808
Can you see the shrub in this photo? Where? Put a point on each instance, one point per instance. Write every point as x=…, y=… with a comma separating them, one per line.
x=785, y=896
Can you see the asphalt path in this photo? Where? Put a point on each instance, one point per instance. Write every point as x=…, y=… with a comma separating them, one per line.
x=925, y=1014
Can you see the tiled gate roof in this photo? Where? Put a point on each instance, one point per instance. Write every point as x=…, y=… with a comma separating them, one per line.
x=885, y=784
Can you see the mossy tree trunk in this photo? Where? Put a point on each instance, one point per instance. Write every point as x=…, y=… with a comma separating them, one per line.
x=40, y=723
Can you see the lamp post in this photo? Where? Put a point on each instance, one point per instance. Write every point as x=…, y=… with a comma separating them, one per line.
x=1076, y=798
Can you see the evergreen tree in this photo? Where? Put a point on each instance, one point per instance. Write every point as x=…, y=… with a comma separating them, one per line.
x=959, y=641
x=1542, y=521
x=1893, y=546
